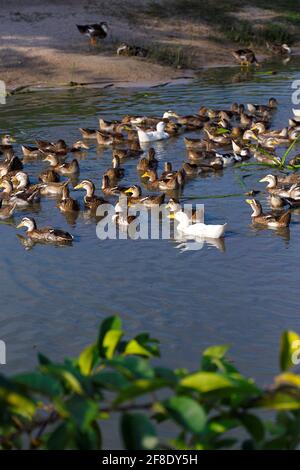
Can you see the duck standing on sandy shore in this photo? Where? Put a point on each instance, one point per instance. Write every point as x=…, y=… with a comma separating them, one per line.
x=94, y=31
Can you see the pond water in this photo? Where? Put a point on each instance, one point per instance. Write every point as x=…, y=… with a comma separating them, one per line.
x=53, y=299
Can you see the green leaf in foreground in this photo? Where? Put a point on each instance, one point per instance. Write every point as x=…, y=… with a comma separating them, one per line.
x=206, y=382
x=187, y=413
x=138, y=433
x=40, y=383
x=109, y=336
x=87, y=359
x=289, y=350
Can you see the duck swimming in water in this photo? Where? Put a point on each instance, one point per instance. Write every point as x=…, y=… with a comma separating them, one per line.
x=67, y=204
x=152, y=136
x=136, y=197
x=48, y=235
x=269, y=220
x=149, y=162
x=91, y=201
x=198, y=229
x=7, y=211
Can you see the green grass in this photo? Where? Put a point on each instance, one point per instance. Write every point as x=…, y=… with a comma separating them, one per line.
x=220, y=16
x=173, y=56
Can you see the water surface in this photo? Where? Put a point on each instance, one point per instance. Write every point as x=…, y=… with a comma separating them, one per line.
x=53, y=299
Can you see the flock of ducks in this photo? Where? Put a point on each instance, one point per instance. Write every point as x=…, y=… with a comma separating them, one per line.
x=226, y=137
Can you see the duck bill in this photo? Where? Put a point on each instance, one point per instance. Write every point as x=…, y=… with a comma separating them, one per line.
x=171, y=216
x=20, y=225
x=249, y=201
x=263, y=180
x=128, y=191
x=79, y=186
x=145, y=175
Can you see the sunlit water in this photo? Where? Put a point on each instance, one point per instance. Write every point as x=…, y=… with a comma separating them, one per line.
x=53, y=299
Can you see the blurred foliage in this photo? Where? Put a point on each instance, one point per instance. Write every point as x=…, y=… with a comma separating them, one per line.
x=67, y=405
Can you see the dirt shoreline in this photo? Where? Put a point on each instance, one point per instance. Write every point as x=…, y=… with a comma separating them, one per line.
x=41, y=47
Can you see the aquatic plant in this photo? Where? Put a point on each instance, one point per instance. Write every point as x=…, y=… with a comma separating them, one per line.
x=68, y=405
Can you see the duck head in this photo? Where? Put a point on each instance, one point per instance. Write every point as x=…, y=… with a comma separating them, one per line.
x=256, y=207
x=80, y=145
x=151, y=174
x=7, y=139
x=273, y=103
x=161, y=127
x=182, y=218
x=271, y=180
x=173, y=206
x=134, y=190
x=52, y=159
x=27, y=222
x=88, y=186
x=7, y=186
x=21, y=179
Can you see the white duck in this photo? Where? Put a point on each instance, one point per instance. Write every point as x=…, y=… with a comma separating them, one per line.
x=152, y=136
x=199, y=229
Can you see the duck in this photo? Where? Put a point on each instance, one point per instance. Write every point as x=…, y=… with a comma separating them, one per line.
x=292, y=178
x=292, y=192
x=281, y=134
x=53, y=189
x=260, y=108
x=60, y=148
x=107, y=139
x=269, y=220
x=152, y=136
x=110, y=126
x=107, y=189
x=129, y=50
x=174, y=206
x=245, y=57
x=88, y=133
x=191, y=169
x=198, y=229
x=149, y=162
x=21, y=199
x=207, y=160
x=10, y=164
x=170, y=184
x=30, y=151
x=268, y=158
x=94, y=31
x=48, y=235
x=121, y=216
x=127, y=153
x=221, y=139
x=191, y=122
x=7, y=211
x=168, y=171
x=49, y=176
x=137, y=198
x=116, y=172
x=6, y=143
x=198, y=144
x=67, y=204
x=66, y=168
x=229, y=159
x=279, y=49
x=21, y=183
x=91, y=201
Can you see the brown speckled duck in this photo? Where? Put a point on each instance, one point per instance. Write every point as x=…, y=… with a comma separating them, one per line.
x=47, y=235
x=269, y=220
